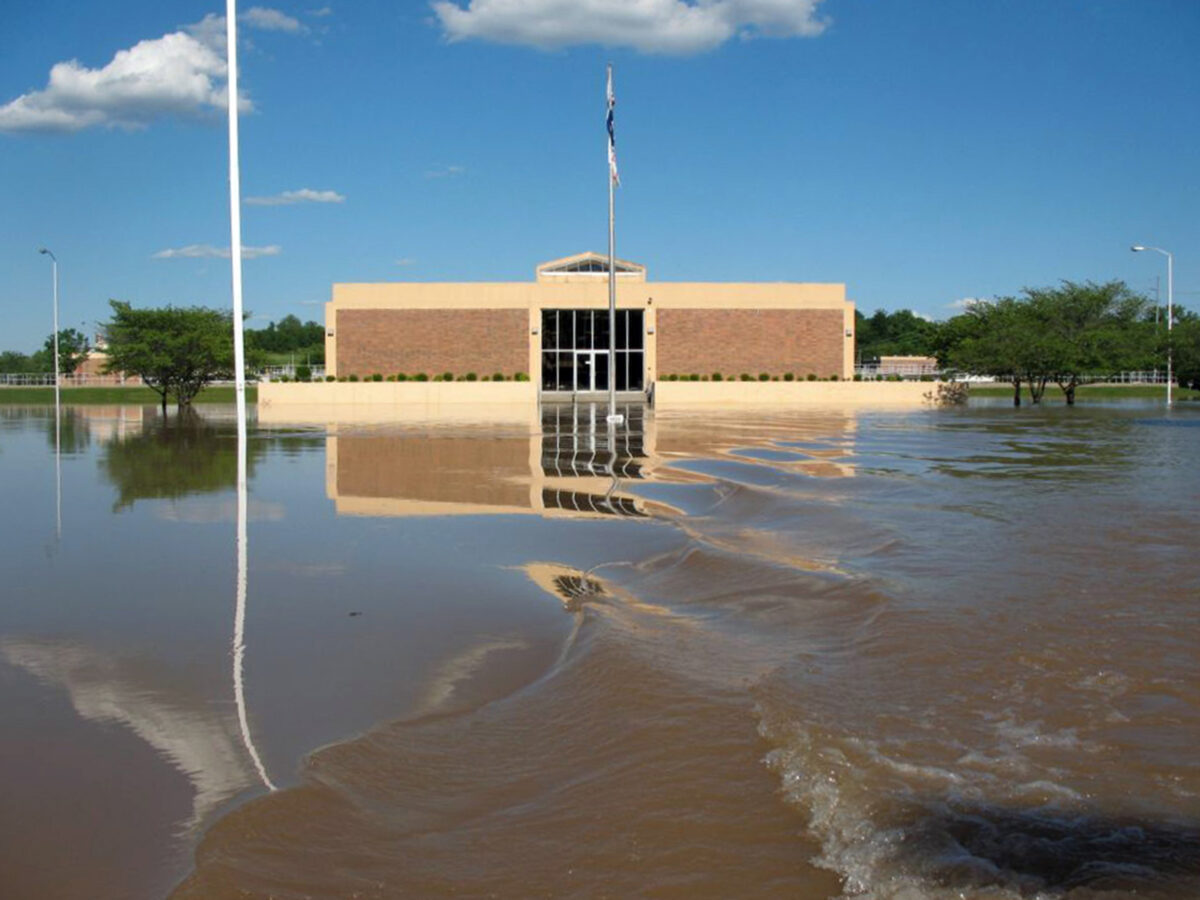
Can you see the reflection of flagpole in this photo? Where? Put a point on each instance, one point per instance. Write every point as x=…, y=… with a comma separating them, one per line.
x=57, y=470
x=235, y=253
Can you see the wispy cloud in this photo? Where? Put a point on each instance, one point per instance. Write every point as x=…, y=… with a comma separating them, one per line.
x=179, y=74
x=406, y=261
x=208, y=251
x=304, y=195
x=446, y=171
x=321, y=13
x=651, y=26
x=964, y=303
x=271, y=20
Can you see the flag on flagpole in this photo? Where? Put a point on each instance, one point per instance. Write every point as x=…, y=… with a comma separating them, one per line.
x=612, y=141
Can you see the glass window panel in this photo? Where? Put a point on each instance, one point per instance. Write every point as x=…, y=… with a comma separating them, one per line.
x=636, y=329
x=549, y=372
x=566, y=329
x=550, y=329
x=601, y=319
x=637, y=370
x=583, y=330
x=566, y=371
x=602, y=372
x=622, y=371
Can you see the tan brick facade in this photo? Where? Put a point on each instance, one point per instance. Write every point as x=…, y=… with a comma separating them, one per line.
x=736, y=341
x=388, y=341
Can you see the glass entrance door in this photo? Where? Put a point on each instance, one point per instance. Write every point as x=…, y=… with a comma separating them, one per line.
x=575, y=350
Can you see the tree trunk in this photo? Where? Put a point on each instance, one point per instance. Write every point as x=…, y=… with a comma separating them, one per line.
x=1070, y=391
x=1037, y=387
x=1016, y=391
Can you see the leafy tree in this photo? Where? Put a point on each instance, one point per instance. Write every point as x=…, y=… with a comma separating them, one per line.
x=290, y=335
x=14, y=363
x=1090, y=330
x=73, y=348
x=901, y=333
x=1069, y=334
x=1185, y=345
x=175, y=350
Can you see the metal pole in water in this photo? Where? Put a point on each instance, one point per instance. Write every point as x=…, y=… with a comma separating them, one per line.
x=613, y=181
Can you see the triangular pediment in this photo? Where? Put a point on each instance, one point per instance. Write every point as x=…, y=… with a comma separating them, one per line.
x=589, y=265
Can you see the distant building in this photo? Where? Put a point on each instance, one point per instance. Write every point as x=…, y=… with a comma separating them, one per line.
x=556, y=328
x=908, y=366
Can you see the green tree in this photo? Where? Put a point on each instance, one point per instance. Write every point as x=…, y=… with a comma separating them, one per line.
x=15, y=363
x=175, y=350
x=1184, y=342
x=73, y=349
x=1089, y=330
x=901, y=333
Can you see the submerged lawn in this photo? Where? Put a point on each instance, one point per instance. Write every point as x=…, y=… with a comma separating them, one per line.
x=1091, y=392
x=109, y=395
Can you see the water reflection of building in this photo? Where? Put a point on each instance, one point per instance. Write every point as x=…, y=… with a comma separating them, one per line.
x=573, y=466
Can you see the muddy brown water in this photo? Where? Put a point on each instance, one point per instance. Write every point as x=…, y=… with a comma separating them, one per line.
x=889, y=655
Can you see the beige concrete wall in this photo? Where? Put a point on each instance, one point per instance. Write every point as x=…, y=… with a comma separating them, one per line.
x=792, y=394
x=507, y=402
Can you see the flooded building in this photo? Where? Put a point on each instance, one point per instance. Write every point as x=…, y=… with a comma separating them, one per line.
x=555, y=329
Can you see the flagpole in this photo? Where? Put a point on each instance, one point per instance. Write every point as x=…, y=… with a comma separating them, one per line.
x=612, y=268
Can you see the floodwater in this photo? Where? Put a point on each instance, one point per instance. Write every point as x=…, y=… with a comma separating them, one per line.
x=929, y=654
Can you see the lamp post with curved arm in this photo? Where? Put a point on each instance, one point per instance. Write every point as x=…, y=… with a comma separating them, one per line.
x=1138, y=248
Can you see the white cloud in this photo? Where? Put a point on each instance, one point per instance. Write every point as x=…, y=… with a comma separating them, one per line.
x=446, y=171
x=651, y=26
x=406, y=261
x=271, y=20
x=179, y=74
x=208, y=251
x=304, y=195
x=964, y=303
x=321, y=13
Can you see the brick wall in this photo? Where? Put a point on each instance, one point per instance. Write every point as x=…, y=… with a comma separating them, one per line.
x=387, y=341
x=733, y=341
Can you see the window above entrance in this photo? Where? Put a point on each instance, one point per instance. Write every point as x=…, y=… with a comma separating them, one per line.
x=589, y=266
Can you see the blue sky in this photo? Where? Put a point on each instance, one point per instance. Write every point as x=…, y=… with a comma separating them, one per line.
x=921, y=151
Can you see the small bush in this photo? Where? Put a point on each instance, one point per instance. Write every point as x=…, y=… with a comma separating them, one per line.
x=789, y=376
x=400, y=376
x=763, y=376
x=471, y=376
x=745, y=376
x=447, y=376
x=811, y=376
x=331, y=378
x=670, y=377
x=303, y=373
x=858, y=376
x=704, y=378
x=693, y=377
x=834, y=377
x=390, y=378
x=354, y=378
x=377, y=377
x=774, y=377
x=716, y=376
x=520, y=376
x=420, y=376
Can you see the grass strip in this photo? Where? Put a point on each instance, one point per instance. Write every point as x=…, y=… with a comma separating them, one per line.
x=133, y=396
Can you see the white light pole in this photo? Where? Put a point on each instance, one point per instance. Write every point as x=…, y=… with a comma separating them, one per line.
x=54, y=261
x=1138, y=248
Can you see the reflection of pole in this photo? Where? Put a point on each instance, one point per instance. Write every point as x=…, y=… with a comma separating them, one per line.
x=239, y=619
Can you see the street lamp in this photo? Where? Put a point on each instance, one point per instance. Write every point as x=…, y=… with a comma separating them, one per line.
x=1138, y=248
x=56, y=369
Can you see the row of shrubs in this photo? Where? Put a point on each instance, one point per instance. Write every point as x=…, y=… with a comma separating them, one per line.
x=420, y=376
x=745, y=376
